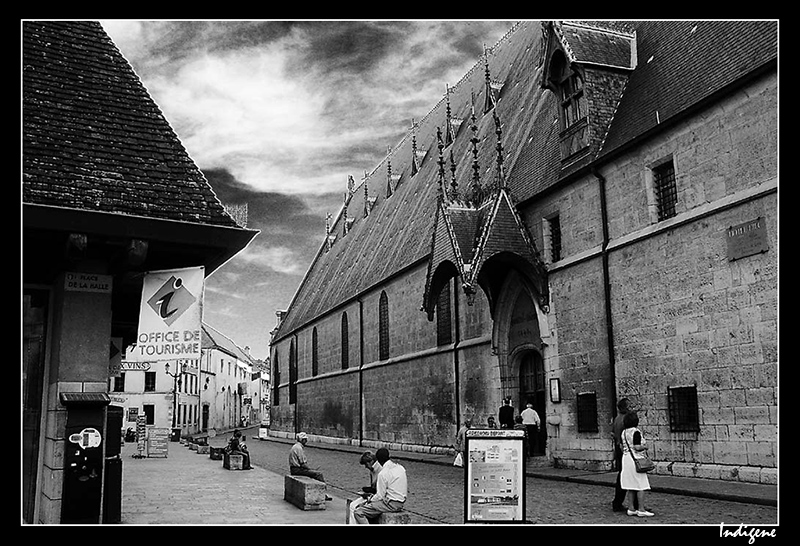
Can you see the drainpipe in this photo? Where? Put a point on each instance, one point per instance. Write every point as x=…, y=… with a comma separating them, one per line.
x=607, y=292
x=360, y=372
x=456, y=363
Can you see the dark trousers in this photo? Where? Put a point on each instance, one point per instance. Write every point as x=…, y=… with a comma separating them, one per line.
x=533, y=439
x=619, y=492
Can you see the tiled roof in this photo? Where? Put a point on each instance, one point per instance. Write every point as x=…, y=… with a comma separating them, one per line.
x=211, y=338
x=688, y=65
x=93, y=139
x=681, y=63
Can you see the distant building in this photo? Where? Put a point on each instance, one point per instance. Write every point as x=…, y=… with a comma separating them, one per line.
x=589, y=213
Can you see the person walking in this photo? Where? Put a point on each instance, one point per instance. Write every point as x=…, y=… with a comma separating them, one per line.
x=617, y=426
x=532, y=424
x=370, y=462
x=505, y=415
x=518, y=425
x=633, y=482
x=461, y=440
x=391, y=490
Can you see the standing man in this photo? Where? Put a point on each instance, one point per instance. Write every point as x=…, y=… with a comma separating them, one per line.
x=532, y=424
x=461, y=438
x=617, y=426
x=391, y=490
x=506, y=414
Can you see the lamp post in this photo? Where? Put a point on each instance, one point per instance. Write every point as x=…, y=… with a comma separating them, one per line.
x=176, y=382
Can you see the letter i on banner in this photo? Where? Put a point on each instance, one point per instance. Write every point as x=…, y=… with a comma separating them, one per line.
x=170, y=316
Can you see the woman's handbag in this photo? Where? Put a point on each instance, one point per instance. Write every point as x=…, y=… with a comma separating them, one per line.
x=458, y=460
x=644, y=463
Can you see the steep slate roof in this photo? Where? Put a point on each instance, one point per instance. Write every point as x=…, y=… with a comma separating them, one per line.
x=398, y=232
x=682, y=63
x=93, y=139
x=211, y=338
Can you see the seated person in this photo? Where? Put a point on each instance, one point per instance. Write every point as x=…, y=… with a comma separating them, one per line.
x=374, y=468
x=236, y=445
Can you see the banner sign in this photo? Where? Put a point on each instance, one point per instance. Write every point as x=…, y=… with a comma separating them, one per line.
x=170, y=316
x=494, y=484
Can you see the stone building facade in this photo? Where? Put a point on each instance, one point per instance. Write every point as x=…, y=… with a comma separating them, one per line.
x=589, y=214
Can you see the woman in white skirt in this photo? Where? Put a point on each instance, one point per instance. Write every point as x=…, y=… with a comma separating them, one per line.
x=635, y=483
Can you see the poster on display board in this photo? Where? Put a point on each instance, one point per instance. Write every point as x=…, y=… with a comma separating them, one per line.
x=494, y=481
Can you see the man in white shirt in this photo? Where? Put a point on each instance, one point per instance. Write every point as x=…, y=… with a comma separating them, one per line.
x=532, y=423
x=392, y=490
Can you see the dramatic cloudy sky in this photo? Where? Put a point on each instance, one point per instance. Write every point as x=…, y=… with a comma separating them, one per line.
x=277, y=114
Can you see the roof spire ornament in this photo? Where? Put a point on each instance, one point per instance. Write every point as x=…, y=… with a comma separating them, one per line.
x=414, y=166
x=477, y=191
x=388, y=171
x=453, y=183
x=490, y=101
x=440, y=162
x=501, y=175
x=366, y=195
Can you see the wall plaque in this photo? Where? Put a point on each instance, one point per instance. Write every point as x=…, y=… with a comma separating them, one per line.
x=747, y=239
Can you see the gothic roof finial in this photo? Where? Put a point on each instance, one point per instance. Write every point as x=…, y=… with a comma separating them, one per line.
x=476, y=177
x=453, y=183
x=388, y=171
x=501, y=175
x=440, y=162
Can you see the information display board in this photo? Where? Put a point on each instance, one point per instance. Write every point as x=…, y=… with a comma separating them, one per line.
x=494, y=480
x=157, y=442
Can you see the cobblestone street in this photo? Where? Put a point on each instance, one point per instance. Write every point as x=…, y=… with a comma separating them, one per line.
x=437, y=492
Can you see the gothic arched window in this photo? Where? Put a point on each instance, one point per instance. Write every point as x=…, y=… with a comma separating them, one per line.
x=383, y=325
x=345, y=343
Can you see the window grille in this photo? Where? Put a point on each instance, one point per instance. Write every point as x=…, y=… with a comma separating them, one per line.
x=345, y=343
x=383, y=326
x=683, y=411
x=555, y=238
x=666, y=191
x=587, y=412
x=149, y=381
x=314, y=353
x=443, y=320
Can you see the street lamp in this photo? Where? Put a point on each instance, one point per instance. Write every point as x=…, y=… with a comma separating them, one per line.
x=176, y=382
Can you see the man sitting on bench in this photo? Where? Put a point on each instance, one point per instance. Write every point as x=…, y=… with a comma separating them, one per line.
x=298, y=462
x=392, y=490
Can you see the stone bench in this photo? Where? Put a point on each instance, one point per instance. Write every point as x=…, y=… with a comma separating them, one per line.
x=215, y=453
x=387, y=518
x=304, y=492
x=233, y=461
x=202, y=449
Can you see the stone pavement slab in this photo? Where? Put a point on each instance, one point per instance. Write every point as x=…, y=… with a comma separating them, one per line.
x=187, y=488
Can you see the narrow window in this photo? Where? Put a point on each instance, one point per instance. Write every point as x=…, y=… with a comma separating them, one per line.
x=292, y=373
x=149, y=381
x=345, y=343
x=683, y=411
x=587, y=412
x=443, y=320
x=554, y=224
x=314, y=353
x=276, y=379
x=119, y=383
x=383, y=326
x=666, y=192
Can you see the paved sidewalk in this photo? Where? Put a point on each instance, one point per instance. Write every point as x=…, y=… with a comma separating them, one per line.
x=188, y=488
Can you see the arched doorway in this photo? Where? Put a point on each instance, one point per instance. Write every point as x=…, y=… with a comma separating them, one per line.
x=532, y=390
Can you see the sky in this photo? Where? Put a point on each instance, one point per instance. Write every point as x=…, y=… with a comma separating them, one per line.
x=277, y=114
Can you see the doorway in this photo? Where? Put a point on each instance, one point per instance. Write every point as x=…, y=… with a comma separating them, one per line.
x=532, y=390
x=205, y=418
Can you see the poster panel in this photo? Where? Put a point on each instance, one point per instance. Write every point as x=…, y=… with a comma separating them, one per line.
x=170, y=316
x=494, y=482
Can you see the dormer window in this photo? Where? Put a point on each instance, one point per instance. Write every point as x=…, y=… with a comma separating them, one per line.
x=572, y=101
